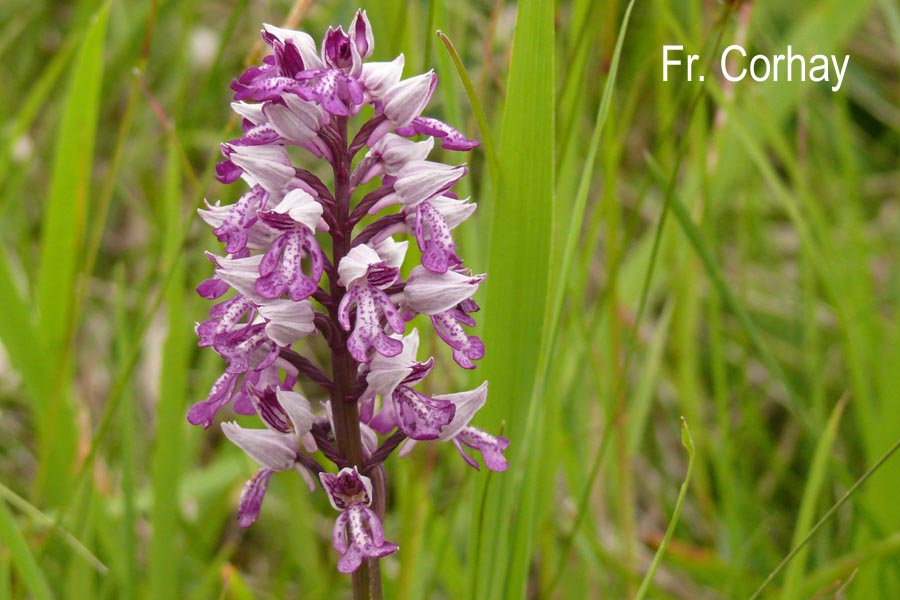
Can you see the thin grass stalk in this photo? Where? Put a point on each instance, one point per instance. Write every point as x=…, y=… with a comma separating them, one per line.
x=687, y=440
x=815, y=528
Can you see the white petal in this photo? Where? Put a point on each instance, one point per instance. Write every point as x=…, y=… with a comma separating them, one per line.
x=301, y=207
x=432, y=293
x=396, y=151
x=251, y=112
x=271, y=449
x=214, y=214
x=355, y=264
x=386, y=373
x=241, y=274
x=369, y=438
x=268, y=165
x=379, y=77
x=392, y=251
x=297, y=120
x=467, y=404
x=454, y=211
x=300, y=414
x=307, y=476
x=406, y=100
x=287, y=321
x=422, y=179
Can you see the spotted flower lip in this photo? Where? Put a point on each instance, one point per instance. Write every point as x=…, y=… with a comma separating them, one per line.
x=451, y=139
x=335, y=152
x=463, y=435
x=358, y=533
x=367, y=334
x=491, y=448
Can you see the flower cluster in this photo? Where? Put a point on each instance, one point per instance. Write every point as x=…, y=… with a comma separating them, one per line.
x=303, y=258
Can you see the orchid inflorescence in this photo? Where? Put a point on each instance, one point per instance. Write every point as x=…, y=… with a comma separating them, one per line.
x=288, y=285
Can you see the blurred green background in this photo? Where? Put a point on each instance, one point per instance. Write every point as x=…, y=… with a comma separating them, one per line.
x=726, y=253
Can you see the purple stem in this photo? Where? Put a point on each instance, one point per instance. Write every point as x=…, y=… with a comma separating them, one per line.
x=344, y=404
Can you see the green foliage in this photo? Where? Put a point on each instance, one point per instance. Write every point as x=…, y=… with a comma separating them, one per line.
x=722, y=252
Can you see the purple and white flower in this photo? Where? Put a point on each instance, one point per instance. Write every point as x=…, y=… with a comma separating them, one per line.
x=305, y=256
x=358, y=533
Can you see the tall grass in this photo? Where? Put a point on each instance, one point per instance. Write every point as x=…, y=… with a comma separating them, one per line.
x=723, y=252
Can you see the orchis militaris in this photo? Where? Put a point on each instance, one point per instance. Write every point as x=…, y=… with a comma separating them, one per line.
x=286, y=284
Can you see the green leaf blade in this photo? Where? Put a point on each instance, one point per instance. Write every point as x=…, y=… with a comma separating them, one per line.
x=517, y=294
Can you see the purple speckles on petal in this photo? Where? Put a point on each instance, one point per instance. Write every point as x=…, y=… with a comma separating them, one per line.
x=252, y=497
x=339, y=534
x=451, y=139
x=421, y=417
x=258, y=135
x=393, y=317
x=361, y=536
x=351, y=560
x=491, y=448
x=249, y=349
x=309, y=253
x=465, y=348
x=233, y=231
x=203, y=413
x=434, y=239
x=281, y=269
x=368, y=333
x=338, y=93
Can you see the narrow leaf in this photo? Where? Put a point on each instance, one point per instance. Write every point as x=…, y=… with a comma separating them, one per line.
x=517, y=291
x=61, y=243
x=11, y=537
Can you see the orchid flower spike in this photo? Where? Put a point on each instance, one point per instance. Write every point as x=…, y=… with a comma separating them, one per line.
x=305, y=256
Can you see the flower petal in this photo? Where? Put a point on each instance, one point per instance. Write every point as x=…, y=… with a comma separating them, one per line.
x=346, y=488
x=252, y=496
x=298, y=410
x=204, y=412
x=431, y=293
x=407, y=99
x=467, y=404
x=271, y=449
